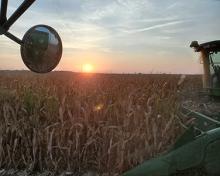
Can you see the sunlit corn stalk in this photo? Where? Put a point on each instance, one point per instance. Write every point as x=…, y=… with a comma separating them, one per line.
x=104, y=123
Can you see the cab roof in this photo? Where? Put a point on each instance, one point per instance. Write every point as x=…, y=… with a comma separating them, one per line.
x=213, y=46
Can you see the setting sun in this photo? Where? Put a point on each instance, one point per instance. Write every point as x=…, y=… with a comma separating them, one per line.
x=87, y=68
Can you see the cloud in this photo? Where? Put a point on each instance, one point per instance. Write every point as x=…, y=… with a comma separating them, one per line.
x=128, y=27
x=154, y=27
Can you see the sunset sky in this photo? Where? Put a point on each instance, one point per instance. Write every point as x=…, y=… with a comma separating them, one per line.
x=148, y=36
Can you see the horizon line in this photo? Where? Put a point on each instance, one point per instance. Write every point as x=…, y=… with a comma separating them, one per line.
x=78, y=72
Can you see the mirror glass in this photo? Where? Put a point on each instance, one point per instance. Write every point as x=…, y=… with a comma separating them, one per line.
x=41, y=50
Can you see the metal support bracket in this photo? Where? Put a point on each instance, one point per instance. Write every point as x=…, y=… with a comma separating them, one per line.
x=5, y=23
x=3, y=12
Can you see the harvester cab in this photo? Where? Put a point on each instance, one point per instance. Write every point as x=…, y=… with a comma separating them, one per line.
x=41, y=46
x=210, y=58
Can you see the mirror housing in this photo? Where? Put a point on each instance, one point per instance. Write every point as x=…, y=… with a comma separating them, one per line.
x=41, y=49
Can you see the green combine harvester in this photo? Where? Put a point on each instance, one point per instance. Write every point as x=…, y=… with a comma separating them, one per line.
x=198, y=149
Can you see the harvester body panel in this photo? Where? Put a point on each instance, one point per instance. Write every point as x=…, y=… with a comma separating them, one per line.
x=199, y=146
x=200, y=151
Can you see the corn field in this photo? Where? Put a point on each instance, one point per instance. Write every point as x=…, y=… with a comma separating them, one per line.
x=106, y=123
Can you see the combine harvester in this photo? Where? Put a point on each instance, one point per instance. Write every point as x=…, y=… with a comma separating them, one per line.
x=198, y=149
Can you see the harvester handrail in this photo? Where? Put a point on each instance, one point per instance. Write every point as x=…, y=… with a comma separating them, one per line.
x=201, y=116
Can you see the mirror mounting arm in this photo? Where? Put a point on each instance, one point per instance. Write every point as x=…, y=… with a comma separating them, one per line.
x=21, y=9
x=3, y=12
x=14, y=38
x=6, y=24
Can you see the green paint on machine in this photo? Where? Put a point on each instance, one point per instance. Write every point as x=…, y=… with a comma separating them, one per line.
x=202, y=152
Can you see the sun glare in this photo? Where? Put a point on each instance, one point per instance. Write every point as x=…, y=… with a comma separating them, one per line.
x=87, y=68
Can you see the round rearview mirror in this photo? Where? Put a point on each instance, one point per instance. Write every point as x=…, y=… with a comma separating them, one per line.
x=41, y=49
